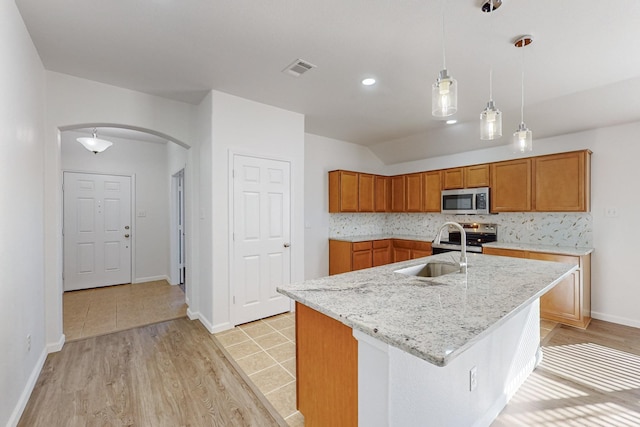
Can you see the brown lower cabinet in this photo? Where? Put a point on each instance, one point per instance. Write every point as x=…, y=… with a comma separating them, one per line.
x=347, y=256
x=327, y=370
x=569, y=302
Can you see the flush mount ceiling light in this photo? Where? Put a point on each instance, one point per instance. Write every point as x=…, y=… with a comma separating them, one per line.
x=94, y=144
x=523, y=137
x=444, y=92
x=369, y=81
x=490, y=117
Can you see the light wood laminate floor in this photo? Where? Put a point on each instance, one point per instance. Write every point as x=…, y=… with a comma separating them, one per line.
x=163, y=375
x=98, y=311
x=587, y=378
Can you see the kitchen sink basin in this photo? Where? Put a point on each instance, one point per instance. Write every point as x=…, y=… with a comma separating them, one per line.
x=430, y=269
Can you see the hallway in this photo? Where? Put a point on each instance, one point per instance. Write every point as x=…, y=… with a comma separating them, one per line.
x=93, y=312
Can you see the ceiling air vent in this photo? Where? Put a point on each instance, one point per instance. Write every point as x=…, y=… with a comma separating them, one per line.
x=298, y=67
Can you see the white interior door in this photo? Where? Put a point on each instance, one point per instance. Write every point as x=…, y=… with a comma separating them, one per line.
x=261, y=237
x=97, y=230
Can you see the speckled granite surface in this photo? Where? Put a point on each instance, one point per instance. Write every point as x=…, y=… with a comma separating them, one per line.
x=434, y=319
x=382, y=237
x=541, y=228
x=561, y=250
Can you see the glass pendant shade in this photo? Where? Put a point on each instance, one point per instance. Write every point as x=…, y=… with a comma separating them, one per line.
x=490, y=122
x=444, y=96
x=522, y=139
x=94, y=144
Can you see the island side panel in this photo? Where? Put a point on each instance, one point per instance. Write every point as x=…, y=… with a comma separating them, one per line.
x=327, y=370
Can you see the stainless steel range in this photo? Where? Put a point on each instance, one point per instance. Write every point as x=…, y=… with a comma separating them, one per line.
x=477, y=235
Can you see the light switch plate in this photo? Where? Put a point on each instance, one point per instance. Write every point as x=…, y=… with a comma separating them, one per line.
x=611, y=212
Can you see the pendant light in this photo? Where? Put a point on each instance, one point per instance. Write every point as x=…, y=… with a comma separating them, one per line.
x=444, y=92
x=94, y=144
x=523, y=137
x=490, y=117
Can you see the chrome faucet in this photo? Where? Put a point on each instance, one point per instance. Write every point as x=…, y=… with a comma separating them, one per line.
x=463, y=243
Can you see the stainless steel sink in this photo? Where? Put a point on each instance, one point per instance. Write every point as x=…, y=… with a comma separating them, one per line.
x=430, y=269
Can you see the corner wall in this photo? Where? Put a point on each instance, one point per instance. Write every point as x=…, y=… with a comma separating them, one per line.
x=321, y=156
x=22, y=308
x=72, y=101
x=247, y=127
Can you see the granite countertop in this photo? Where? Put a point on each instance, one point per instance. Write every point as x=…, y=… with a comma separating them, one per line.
x=435, y=319
x=365, y=238
x=531, y=247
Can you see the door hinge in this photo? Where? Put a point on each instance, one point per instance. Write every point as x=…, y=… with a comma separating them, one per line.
x=234, y=299
x=233, y=173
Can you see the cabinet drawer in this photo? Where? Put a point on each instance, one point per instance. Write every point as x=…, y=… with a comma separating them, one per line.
x=554, y=257
x=405, y=244
x=422, y=246
x=361, y=246
x=377, y=244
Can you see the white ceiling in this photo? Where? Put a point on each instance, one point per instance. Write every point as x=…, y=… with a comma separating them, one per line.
x=582, y=71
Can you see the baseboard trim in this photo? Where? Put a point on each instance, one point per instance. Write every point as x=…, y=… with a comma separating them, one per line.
x=151, y=279
x=635, y=323
x=221, y=327
x=56, y=346
x=206, y=323
x=192, y=315
x=28, y=389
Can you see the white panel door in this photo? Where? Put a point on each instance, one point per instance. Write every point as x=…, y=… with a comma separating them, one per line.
x=96, y=230
x=261, y=235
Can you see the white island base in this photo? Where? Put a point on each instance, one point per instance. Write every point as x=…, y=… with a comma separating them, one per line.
x=397, y=389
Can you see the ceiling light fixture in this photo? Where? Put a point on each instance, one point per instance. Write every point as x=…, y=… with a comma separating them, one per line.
x=94, y=144
x=444, y=92
x=490, y=117
x=369, y=81
x=523, y=137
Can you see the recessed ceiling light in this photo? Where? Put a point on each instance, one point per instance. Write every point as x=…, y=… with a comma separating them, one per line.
x=369, y=81
x=451, y=122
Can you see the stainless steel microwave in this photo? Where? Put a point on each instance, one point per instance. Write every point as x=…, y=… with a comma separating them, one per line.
x=466, y=201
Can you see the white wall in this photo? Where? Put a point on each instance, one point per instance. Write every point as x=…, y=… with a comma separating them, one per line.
x=73, y=101
x=21, y=215
x=321, y=156
x=149, y=164
x=247, y=127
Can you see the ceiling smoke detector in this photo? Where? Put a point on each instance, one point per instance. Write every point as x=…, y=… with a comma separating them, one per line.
x=298, y=67
x=486, y=6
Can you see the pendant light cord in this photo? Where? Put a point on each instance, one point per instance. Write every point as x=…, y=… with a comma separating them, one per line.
x=491, y=62
x=444, y=62
x=522, y=87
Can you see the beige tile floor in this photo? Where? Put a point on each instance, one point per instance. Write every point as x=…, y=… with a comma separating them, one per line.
x=266, y=351
x=93, y=312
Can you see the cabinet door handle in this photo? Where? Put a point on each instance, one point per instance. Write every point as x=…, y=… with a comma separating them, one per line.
x=126, y=235
x=286, y=245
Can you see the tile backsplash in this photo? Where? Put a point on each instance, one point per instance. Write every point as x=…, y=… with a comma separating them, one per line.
x=558, y=229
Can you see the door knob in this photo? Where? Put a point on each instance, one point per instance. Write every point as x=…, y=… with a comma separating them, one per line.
x=126, y=227
x=126, y=235
x=286, y=245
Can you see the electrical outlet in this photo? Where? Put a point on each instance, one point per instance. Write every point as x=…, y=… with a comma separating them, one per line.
x=611, y=212
x=473, y=378
x=28, y=343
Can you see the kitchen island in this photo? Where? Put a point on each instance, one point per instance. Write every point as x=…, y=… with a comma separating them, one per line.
x=449, y=350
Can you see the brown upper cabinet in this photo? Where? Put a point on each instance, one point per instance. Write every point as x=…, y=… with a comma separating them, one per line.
x=397, y=193
x=413, y=192
x=382, y=188
x=466, y=177
x=431, y=189
x=477, y=176
x=452, y=178
x=366, y=192
x=343, y=191
x=561, y=182
x=511, y=186
x=551, y=183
